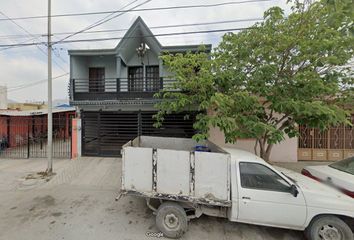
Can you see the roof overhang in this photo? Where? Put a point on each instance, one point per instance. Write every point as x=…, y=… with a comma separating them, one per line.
x=17, y=113
x=92, y=52
x=186, y=48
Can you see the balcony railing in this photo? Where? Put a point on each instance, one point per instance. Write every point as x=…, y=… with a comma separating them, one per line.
x=117, y=88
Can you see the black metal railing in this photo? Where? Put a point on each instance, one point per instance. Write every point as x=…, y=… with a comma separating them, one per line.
x=117, y=88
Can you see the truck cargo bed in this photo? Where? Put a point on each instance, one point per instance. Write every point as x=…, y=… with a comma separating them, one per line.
x=171, y=169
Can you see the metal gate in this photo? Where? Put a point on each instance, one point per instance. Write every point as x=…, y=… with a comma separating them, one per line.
x=333, y=144
x=26, y=137
x=104, y=133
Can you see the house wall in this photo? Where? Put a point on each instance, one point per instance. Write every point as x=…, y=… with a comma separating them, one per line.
x=286, y=151
x=113, y=69
x=80, y=70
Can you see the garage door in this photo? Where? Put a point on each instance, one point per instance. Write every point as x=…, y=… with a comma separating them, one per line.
x=104, y=133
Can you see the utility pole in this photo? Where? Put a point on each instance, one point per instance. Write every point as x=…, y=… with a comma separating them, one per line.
x=50, y=114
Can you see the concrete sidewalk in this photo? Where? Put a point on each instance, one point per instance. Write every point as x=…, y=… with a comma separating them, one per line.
x=78, y=203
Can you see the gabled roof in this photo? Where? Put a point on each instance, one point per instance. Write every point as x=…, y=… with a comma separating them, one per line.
x=138, y=24
x=139, y=29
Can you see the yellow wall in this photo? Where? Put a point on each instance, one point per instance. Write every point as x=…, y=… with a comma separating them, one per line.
x=26, y=106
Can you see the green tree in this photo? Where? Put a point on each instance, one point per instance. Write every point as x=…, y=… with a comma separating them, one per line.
x=264, y=81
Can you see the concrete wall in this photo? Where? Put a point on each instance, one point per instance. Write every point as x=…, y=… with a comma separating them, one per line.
x=285, y=151
x=80, y=70
x=76, y=138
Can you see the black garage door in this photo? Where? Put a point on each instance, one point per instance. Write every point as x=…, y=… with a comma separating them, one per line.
x=104, y=133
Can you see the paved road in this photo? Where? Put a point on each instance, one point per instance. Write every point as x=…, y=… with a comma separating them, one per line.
x=78, y=203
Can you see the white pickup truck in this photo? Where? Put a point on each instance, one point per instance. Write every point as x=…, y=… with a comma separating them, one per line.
x=181, y=182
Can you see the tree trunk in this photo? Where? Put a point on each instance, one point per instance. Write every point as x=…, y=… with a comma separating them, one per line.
x=268, y=152
x=255, y=147
x=264, y=149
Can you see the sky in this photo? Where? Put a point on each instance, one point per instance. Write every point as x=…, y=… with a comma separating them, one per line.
x=23, y=66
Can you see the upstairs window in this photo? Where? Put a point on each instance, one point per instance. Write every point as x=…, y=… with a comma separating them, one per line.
x=138, y=83
x=135, y=79
x=152, y=79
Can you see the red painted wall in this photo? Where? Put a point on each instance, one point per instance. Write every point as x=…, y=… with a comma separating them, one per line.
x=17, y=129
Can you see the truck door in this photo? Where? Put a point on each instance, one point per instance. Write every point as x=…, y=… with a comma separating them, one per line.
x=264, y=198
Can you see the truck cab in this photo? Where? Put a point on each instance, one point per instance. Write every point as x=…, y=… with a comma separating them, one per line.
x=266, y=195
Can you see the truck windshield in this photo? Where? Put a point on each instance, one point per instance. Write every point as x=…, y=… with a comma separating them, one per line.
x=346, y=165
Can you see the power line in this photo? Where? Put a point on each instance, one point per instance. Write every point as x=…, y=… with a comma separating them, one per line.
x=30, y=34
x=131, y=37
x=139, y=10
x=23, y=86
x=153, y=27
x=97, y=23
x=3, y=49
x=102, y=21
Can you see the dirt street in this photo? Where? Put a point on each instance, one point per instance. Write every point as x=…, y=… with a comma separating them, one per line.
x=78, y=203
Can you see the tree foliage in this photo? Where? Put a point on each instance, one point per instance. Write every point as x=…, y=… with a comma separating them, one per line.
x=263, y=82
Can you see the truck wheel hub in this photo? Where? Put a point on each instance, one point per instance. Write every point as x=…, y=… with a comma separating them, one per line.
x=171, y=221
x=329, y=232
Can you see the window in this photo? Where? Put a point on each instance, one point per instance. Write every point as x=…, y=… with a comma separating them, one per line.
x=96, y=80
x=135, y=79
x=152, y=78
x=258, y=176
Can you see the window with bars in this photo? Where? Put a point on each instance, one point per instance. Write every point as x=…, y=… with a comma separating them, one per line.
x=152, y=78
x=135, y=79
x=137, y=82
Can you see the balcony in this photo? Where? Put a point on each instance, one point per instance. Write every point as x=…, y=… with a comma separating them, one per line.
x=117, y=88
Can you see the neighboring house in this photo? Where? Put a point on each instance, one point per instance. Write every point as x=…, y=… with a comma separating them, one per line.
x=23, y=133
x=312, y=144
x=113, y=90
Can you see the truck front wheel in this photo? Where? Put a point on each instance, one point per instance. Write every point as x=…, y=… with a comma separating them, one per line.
x=329, y=228
x=171, y=220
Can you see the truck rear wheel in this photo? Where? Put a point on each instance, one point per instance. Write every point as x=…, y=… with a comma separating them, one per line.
x=329, y=228
x=171, y=220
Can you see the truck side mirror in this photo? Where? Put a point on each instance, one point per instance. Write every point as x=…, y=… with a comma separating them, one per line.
x=293, y=190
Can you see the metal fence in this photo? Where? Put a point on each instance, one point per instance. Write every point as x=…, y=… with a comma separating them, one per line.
x=26, y=137
x=333, y=144
x=117, y=88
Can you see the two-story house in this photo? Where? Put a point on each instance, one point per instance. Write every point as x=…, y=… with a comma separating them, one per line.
x=113, y=90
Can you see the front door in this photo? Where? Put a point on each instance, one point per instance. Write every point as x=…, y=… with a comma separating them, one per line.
x=264, y=198
x=96, y=79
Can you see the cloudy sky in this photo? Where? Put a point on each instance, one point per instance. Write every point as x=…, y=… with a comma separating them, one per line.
x=21, y=67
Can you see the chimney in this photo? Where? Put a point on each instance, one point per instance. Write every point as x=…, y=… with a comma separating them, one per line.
x=3, y=97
